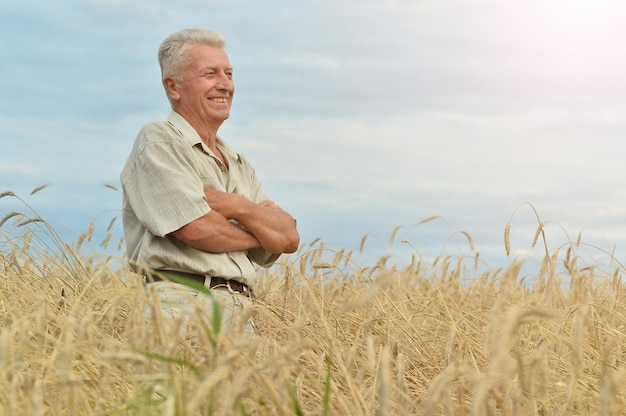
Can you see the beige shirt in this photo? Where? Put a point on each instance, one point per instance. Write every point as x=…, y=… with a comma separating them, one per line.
x=163, y=185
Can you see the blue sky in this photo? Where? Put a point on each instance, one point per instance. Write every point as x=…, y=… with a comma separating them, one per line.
x=359, y=116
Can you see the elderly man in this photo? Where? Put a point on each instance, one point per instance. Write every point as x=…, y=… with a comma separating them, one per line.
x=192, y=206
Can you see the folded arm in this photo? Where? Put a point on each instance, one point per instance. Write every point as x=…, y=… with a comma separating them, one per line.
x=215, y=234
x=260, y=225
x=273, y=227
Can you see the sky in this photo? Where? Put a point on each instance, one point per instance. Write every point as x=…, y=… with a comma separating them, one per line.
x=362, y=118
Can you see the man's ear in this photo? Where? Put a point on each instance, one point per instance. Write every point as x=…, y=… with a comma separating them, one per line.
x=171, y=88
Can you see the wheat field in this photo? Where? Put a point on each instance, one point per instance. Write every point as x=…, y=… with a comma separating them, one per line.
x=332, y=337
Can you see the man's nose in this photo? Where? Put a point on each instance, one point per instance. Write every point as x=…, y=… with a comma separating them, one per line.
x=224, y=82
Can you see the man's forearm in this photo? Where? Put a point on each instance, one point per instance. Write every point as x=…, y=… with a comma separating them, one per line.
x=215, y=234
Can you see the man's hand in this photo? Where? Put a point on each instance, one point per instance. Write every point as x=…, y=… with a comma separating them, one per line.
x=270, y=204
x=223, y=202
x=227, y=203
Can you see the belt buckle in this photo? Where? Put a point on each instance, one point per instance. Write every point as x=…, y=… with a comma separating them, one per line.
x=230, y=289
x=245, y=290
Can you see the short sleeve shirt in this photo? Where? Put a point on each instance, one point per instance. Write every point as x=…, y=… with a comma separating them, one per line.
x=163, y=184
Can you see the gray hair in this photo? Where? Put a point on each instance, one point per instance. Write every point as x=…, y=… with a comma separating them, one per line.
x=173, y=53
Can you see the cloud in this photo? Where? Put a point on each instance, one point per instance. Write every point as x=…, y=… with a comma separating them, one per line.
x=358, y=116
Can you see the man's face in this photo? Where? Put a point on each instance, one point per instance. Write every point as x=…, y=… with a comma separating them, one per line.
x=206, y=92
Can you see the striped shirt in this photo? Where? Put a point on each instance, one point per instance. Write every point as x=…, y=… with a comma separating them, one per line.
x=163, y=184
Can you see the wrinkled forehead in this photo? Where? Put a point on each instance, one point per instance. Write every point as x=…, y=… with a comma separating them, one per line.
x=206, y=56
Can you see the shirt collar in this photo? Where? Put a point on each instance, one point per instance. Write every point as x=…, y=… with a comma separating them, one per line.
x=191, y=136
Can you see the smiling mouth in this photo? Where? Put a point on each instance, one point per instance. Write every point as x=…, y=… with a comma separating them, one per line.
x=219, y=100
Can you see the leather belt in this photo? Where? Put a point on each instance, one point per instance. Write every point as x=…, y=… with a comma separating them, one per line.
x=216, y=282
